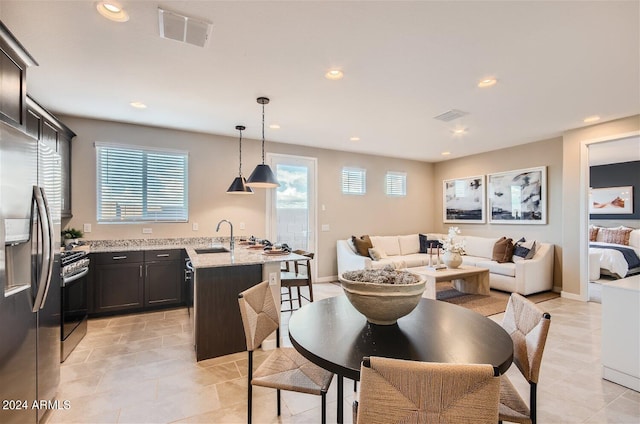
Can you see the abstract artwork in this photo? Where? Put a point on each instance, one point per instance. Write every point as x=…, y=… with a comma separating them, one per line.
x=464, y=200
x=518, y=197
x=611, y=200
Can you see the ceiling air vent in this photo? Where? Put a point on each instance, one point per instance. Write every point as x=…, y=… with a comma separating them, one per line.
x=450, y=115
x=182, y=28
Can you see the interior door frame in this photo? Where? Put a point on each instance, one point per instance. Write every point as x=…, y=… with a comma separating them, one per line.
x=584, y=205
x=313, y=209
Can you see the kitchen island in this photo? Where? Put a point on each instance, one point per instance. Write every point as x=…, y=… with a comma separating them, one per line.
x=218, y=279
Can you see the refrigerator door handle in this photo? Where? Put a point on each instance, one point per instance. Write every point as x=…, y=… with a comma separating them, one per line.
x=46, y=268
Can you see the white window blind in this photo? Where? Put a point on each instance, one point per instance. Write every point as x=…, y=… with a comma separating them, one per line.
x=139, y=184
x=396, y=183
x=354, y=181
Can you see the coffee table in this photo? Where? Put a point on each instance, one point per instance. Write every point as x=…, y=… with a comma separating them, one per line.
x=465, y=279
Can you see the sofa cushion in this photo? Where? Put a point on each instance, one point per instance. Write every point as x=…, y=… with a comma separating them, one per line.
x=409, y=244
x=479, y=246
x=416, y=259
x=507, y=269
x=472, y=260
x=362, y=244
x=388, y=243
x=503, y=250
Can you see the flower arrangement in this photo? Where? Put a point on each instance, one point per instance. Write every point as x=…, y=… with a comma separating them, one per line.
x=450, y=244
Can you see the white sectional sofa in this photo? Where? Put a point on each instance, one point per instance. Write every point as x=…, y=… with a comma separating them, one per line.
x=523, y=276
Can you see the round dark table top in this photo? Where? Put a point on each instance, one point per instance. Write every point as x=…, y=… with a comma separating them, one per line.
x=335, y=336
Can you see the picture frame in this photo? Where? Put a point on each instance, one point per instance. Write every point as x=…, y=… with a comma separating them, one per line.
x=611, y=200
x=463, y=200
x=518, y=197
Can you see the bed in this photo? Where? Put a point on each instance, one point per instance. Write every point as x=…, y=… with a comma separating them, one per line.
x=616, y=259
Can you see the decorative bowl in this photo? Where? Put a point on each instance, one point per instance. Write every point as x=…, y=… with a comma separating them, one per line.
x=383, y=303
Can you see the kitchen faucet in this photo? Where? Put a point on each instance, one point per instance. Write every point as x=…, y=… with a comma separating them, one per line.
x=230, y=225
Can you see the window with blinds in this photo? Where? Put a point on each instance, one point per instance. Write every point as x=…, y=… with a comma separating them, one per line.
x=139, y=184
x=396, y=184
x=354, y=181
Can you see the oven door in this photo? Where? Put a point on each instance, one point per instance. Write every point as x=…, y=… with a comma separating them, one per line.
x=74, y=301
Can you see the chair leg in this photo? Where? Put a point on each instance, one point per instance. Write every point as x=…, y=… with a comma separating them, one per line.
x=290, y=299
x=532, y=402
x=355, y=385
x=249, y=387
x=324, y=408
x=278, y=395
x=310, y=291
x=299, y=298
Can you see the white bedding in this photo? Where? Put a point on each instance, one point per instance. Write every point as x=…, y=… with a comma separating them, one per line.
x=612, y=260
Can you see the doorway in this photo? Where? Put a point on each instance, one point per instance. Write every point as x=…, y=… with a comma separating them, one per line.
x=291, y=208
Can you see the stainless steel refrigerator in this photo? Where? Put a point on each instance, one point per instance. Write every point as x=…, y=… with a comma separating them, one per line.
x=30, y=200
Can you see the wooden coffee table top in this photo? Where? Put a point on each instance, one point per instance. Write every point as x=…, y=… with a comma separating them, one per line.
x=447, y=274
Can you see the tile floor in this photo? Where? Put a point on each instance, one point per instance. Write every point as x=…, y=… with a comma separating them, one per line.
x=141, y=369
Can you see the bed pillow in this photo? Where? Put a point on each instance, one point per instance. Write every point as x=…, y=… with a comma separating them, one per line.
x=503, y=250
x=593, y=232
x=616, y=235
x=362, y=244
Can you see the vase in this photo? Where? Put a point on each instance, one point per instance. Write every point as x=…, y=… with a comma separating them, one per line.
x=452, y=259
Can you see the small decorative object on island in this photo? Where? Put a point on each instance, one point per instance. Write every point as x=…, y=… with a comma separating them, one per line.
x=383, y=295
x=452, y=249
x=71, y=236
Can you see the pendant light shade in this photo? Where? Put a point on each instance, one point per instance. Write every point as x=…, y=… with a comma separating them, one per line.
x=263, y=176
x=239, y=184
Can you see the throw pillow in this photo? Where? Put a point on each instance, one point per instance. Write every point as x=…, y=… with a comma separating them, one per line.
x=377, y=253
x=593, y=232
x=524, y=249
x=616, y=235
x=425, y=243
x=503, y=250
x=362, y=244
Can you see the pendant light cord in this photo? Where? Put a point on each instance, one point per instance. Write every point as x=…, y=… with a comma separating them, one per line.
x=240, y=166
x=263, y=133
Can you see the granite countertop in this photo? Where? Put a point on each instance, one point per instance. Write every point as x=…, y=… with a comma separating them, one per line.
x=241, y=256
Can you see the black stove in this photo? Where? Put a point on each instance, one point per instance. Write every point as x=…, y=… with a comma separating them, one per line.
x=75, y=299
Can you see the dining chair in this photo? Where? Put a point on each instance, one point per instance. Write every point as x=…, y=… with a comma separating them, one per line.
x=528, y=327
x=284, y=368
x=299, y=277
x=398, y=391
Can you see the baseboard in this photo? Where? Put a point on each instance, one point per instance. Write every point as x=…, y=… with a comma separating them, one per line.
x=557, y=289
x=573, y=296
x=329, y=279
x=621, y=378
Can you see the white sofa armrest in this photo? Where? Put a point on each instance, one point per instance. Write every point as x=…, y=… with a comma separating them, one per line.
x=348, y=260
x=536, y=274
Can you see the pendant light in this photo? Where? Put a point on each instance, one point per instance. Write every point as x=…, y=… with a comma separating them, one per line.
x=262, y=176
x=239, y=184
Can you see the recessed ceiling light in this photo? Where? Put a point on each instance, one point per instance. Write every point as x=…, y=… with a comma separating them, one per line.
x=589, y=119
x=274, y=126
x=334, y=74
x=138, y=105
x=445, y=153
x=354, y=138
x=487, y=82
x=459, y=131
x=112, y=10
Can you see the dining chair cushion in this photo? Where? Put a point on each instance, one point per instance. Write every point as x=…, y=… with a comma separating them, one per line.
x=286, y=369
x=512, y=406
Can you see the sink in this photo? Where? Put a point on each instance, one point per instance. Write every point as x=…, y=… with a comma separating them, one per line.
x=218, y=249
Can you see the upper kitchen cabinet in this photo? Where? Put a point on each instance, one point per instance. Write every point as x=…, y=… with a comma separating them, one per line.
x=47, y=128
x=14, y=61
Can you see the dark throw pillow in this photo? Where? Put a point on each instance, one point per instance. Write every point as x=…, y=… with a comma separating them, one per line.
x=425, y=243
x=503, y=250
x=362, y=244
x=524, y=249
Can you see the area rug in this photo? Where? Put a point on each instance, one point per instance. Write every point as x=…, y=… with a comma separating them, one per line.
x=493, y=304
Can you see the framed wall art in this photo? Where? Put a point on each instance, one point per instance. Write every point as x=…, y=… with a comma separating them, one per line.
x=518, y=197
x=611, y=200
x=463, y=200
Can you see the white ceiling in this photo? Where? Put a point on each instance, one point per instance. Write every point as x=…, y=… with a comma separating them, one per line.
x=404, y=63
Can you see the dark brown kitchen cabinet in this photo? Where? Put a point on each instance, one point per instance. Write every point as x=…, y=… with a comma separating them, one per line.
x=45, y=127
x=118, y=281
x=14, y=61
x=163, y=283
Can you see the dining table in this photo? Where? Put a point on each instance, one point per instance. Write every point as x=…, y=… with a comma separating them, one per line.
x=332, y=334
